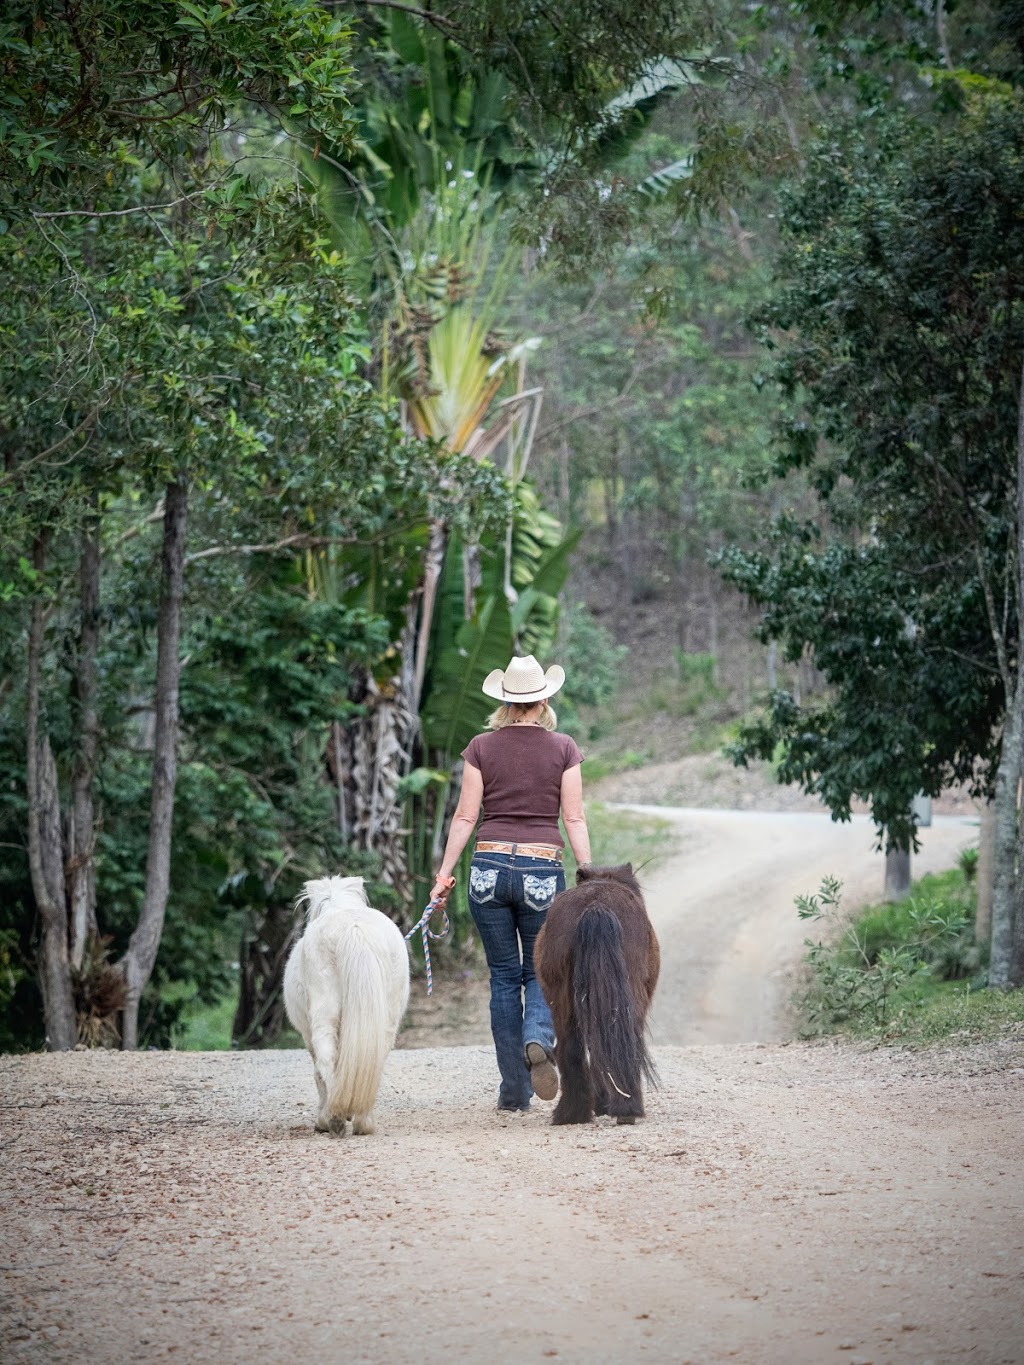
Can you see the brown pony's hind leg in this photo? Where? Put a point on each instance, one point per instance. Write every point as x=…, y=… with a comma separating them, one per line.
x=623, y=1096
x=576, y=1101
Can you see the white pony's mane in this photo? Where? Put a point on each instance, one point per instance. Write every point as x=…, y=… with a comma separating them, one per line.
x=331, y=893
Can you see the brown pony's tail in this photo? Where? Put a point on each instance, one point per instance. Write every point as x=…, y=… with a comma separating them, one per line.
x=610, y=1028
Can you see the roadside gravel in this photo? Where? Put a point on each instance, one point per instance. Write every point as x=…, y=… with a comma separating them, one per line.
x=779, y=1204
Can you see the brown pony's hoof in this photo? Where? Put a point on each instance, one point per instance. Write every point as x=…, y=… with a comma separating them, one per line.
x=567, y=1112
x=626, y=1118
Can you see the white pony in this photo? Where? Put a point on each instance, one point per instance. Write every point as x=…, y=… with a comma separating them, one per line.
x=346, y=987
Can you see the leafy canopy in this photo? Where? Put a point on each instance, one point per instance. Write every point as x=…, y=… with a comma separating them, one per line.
x=898, y=330
x=82, y=78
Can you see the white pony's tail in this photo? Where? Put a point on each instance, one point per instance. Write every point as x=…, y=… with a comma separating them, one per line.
x=365, y=1029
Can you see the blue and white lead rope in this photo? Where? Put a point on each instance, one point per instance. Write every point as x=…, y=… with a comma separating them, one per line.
x=428, y=933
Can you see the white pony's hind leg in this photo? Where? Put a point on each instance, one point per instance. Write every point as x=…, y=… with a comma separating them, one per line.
x=323, y=1045
x=321, y=1124
x=363, y=1124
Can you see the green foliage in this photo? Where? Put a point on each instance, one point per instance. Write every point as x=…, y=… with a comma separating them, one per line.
x=957, y=1012
x=267, y=671
x=898, y=338
x=454, y=708
x=866, y=969
x=171, y=309
x=539, y=105
x=591, y=659
x=150, y=73
x=698, y=683
x=968, y=865
x=466, y=648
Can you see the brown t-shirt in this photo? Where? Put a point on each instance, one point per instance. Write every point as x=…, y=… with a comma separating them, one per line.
x=522, y=767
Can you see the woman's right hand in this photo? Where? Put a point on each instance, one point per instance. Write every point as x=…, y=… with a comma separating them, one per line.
x=442, y=888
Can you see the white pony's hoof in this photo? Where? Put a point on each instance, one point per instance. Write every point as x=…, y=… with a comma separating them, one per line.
x=363, y=1127
x=336, y=1127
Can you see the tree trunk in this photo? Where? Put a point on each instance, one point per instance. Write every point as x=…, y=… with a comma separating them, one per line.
x=564, y=487
x=382, y=740
x=472, y=576
x=1004, y=881
x=336, y=762
x=1017, y=944
x=431, y=578
x=82, y=833
x=1010, y=971
x=897, y=873
x=137, y=963
x=983, y=876
x=46, y=852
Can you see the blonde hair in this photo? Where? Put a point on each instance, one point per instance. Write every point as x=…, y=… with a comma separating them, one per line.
x=509, y=713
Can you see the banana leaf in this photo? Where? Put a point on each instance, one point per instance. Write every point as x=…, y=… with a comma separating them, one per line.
x=462, y=654
x=536, y=613
x=456, y=709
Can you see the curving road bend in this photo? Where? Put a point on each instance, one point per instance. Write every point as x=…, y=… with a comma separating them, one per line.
x=723, y=907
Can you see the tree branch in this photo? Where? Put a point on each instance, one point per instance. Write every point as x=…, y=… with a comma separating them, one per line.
x=993, y=622
x=300, y=541
x=439, y=21
x=156, y=515
x=86, y=422
x=111, y=213
x=595, y=408
x=940, y=25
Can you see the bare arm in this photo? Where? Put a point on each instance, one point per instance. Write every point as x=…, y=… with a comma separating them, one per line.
x=463, y=824
x=572, y=814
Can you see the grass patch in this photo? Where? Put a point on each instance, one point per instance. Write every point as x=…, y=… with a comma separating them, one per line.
x=623, y=837
x=207, y=1028
x=896, y=924
x=907, y=972
x=956, y=1011
x=680, y=710
x=607, y=764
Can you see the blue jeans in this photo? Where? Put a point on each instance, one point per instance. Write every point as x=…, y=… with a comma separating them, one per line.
x=509, y=895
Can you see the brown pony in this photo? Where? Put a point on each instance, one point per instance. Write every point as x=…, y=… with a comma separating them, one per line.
x=597, y=960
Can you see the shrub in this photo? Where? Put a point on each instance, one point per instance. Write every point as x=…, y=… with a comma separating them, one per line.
x=593, y=664
x=968, y=864
x=861, y=968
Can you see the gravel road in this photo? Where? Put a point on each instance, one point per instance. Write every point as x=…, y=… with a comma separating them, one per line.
x=780, y=1204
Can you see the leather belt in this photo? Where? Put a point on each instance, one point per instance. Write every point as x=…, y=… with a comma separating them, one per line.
x=546, y=851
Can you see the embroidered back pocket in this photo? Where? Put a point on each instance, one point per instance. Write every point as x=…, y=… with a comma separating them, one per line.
x=539, y=892
x=482, y=881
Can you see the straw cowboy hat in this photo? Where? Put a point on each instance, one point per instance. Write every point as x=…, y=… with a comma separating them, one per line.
x=523, y=681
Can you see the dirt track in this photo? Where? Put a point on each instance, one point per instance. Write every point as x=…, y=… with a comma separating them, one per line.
x=723, y=907
x=781, y=1203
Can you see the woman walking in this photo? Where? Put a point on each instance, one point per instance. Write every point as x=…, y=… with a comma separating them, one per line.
x=524, y=775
